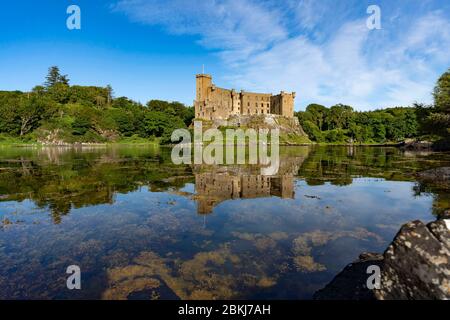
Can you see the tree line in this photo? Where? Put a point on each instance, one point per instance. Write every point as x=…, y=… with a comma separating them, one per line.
x=73, y=113
x=58, y=111
x=342, y=124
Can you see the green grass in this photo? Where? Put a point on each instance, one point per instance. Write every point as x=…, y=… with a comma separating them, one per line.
x=293, y=139
x=9, y=140
x=137, y=140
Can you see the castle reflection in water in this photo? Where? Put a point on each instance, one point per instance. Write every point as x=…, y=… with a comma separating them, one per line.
x=63, y=179
x=215, y=184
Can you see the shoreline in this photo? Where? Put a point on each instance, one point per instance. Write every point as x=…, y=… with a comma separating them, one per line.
x=105, y=144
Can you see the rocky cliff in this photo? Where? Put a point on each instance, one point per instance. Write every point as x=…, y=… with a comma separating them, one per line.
x=291, y=132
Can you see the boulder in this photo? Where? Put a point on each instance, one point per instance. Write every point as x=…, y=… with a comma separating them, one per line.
x=411, y=144
x=350, y=283
x=415, y=266
x=417, y=263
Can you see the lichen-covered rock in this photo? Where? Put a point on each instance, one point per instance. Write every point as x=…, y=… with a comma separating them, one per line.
x=417, y=263
x=416, y=266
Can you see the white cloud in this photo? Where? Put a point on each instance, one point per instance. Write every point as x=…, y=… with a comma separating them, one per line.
x=238, y=28
x=267, y=47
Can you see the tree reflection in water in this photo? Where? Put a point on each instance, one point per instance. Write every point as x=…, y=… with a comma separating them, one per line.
x=130, y=219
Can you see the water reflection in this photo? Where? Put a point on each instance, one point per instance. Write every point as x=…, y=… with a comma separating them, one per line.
x=215, y=184
x=130, y=219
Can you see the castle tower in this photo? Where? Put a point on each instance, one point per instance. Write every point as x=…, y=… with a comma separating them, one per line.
x=283, y=104
x=287, y=104
x=203, y=84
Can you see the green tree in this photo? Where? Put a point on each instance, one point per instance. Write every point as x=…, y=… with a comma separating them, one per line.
x=54, y=77
x=189, y=115
x=335, y=135
x=57, y=85
x=9, y=117
x=59, y=92
x=30, y=111
x=81, y=125
x=160, y=124
x=318, y=114
x=339, y=116
x=438, y=120
x=109, y=94
x=313, y=131
x=124, y=121
x=442, y=93
x=356, y=132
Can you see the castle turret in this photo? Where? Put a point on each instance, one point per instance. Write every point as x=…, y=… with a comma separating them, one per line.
x=204, y=81
x=203, y=84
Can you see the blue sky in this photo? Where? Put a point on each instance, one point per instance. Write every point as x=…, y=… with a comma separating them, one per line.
x=151, y=49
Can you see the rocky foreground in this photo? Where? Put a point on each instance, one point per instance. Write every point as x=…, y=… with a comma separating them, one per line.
x=416, y=265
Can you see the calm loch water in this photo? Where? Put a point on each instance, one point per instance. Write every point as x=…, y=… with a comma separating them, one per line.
x=140, y=227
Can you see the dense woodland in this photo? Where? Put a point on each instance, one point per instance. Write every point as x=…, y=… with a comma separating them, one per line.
x=342, y=124
x=85, y=114
x=58, y=111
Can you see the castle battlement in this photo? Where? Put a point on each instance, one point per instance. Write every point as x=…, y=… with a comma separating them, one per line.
x=212, y=102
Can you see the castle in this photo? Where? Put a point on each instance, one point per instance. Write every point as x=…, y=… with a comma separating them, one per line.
x=217, y=103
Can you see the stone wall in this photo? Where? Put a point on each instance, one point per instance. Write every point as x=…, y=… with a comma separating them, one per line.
x=213, y=103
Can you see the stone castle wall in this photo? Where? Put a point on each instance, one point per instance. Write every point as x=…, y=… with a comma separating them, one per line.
x=213, y=103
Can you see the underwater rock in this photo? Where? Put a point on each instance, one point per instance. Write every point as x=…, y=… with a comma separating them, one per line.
x=307, y=264
x=441, y=174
